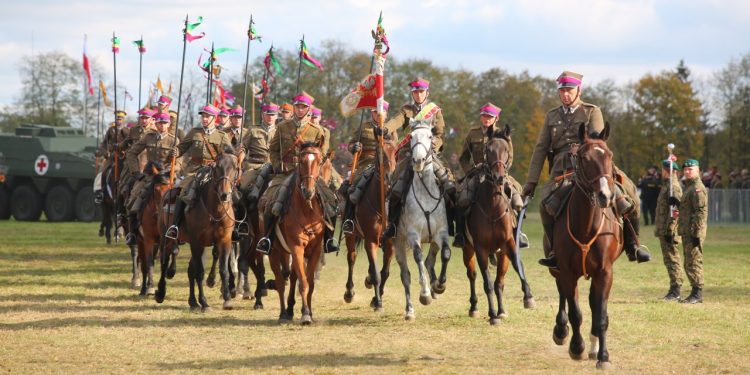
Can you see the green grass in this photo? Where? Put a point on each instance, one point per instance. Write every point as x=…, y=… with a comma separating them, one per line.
x=66, y=306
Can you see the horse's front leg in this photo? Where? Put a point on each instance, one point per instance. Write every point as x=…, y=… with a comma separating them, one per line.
x=135, y=281
x=560, y=332
x=471, y=274
x=372, y=257
x=193, y=269
x=234, y=275
x=243, y=266
x=225, y=252
x=577, y=345
x=445, y=256
x=502, y=269
x=161, y=290
x=598, y=296
x=201, y=271
x=385, y=272
x=351, y=258
x=425, y=297
x=482, y=260
x=307, y=282
x=211, y=280
x=515, y=260
x=259, y=270
x=405, y=279
x=275, y=259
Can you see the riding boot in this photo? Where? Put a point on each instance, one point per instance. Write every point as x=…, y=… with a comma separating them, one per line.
x=98, y=196
x=264, y=244
x=329, y=244
x=551, y=259
x=673, y=294
x=394, y=214
x=174, y=230
x=131, y=239
x=523, y=241
x=696, y=296
x=459, y=240
x=633, y=248
x=348, y=225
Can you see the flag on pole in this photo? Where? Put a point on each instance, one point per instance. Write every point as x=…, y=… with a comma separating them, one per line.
x=369, y=93
x=307, y=59
x=159, y=85
x=128, y=96
x=169, y=91
x=251, y=33
x=104, y=94
x=270, y=61
x=115, y=44
x=190, y=34
x=139, y=44
x=87, y=67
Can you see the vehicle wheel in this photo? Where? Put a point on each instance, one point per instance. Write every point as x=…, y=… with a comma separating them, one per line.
x=4, y=204
x=58, y=204
x=85, y=207
x=26, y=203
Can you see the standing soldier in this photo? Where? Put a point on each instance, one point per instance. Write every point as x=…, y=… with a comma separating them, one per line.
x=421, y=110
x=284, y=149
x=472, y=159
x=366, y=143
x=116, y=133
x=666, y=226
x=158, y=145
x=203, y=145
x=693, y=220
x=258, y=169
x=559, y=133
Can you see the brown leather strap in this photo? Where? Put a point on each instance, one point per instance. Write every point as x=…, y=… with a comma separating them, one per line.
x=297, y=142
x=209, y=146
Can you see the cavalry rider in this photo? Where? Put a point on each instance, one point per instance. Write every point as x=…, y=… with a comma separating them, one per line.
x=472, y=163
x=367, y=144
x=284, y=149
x=222, y=120
x=559, y=133
x=145, y=124
x=162, y=105
x=235, y=124
x=116, y=133
x=203, y=145
x=257, y=169
x=158, y=145
x=173, y=124
x=286, y=112
x=315, y=116
x=422, y=111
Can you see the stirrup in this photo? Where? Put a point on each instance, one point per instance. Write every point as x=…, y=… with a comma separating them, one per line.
x=173, y=229
x=459, y=240
x=263, y=246
x=243, y=229
x=523, y=241
x=98, y=197
x=330, y=246
x=347, y=226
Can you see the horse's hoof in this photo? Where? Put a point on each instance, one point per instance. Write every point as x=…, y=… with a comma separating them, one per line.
x=368, y=284
x=603, y=365
x=205, y=309
x=559, y=340
x=574, y=356
x=409, y=316
x=210, y=282
x=494, y=321
x=529, y=303
x=150, y=291
x=473, y=313
x=258, y=306
x=270, y=284
x=159, y=297
x=195, y=308
x=135, y=283
x=306, y=320
x=246, y=295
x=377, y=309
x=264, y=292
x=227, y=305
x=348, y=296
x=438, y=287
x=593, y=355
x=233, y=293
x=503, y=316
x=171, y=272
x=425, y=299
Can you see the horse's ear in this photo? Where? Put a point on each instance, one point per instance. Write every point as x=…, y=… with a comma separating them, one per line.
x=582, y=132
x=506, y=132
x=605, y=133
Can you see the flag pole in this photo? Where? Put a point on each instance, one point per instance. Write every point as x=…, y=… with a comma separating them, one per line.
x=179, y=102
x=140, y=72
x=117, y=138
x=98, y=122
x=210, y=75
x=299, y=66
x=244, y=92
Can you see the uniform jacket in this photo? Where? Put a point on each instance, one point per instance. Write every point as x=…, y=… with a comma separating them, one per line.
x=665, y=224
x=409, y=111
x=256, y=141
x=693, y=218
x=158, y=148
x=284, y=147
x=473, y=148
x=199, y=153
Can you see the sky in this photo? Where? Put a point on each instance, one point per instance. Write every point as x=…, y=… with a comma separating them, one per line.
x=620, y=40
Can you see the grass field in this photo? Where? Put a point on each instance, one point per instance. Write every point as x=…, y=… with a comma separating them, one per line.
x=66, y=307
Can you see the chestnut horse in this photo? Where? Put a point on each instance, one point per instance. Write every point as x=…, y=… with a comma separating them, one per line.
x=367, y=230
x=149, y=237
x=299, y=236
x=587, y=240
x=209, y=222
x=489, y=229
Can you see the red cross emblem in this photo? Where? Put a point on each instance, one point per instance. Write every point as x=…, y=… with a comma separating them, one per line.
x=41, y=165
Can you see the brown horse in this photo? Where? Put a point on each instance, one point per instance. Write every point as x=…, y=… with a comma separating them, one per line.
x=367, y=230
x=300, y=237
x=209, y=222
x=587, y=239
x=149, y=236
x=490, y=229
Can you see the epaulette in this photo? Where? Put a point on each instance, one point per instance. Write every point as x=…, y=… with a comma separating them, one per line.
x=588, y=105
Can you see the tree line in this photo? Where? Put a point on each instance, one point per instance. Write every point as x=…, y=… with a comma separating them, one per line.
x=709, y=121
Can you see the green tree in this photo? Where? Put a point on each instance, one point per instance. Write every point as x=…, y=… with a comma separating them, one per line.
x=733, y=94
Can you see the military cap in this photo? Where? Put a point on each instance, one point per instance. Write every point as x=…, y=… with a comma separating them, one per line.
x=286, y=107
x=164, y=100
x=237, y=111
x=490, y=110
x=569, y=79
x=146, y=112
x=304, y=99
x=665, y=164
x=120, y=114
x=419, y=84
x=316, y=112
x=224, y=111
x=162, y=117
x=690, y=163
x=209, y=110
x=270, y=108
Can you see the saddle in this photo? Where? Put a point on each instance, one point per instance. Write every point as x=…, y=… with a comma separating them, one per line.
x=326, y=196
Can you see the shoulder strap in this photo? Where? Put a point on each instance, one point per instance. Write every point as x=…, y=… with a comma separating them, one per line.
x=297, y=141
x=209, y=146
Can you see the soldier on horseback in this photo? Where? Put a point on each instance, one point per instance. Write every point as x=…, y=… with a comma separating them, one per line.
x=365, y=142
x=203, y=145
x=116, y=133
x=158, y=146
x=555, y=141
x=316, y=114
x=472, y=162
x=132, y=170
x=257, y=169
x=284, y=149
x=423, y=111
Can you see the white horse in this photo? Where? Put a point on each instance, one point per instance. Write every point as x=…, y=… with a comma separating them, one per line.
x=424, y=221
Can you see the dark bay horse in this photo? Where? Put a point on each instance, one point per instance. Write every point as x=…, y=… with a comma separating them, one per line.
x=367, y=230
x=209, y=222
x=299, y=236
x=149, y=236
x=587, y=240
x=490, y=229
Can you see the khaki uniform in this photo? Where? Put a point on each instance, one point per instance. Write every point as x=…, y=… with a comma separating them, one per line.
x=112, y=139
x=666, y=230
x=158, y=149
x=692, y=223
x=202, y=149
x=134, y=135
x=369, y=145
x=256, y=141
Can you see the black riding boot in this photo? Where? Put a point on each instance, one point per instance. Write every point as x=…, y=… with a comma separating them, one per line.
x=673, y=294
x=551, y=259
x=348, y=225
x=264, y=244
x=633, y=248
x=459, y=239
x=394, y=214
x=179, y=214
x=329, y=243
x=696, y=296
x=131, y=238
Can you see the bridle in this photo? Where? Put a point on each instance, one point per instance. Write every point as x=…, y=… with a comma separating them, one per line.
x=311, y=175
x=489, y=167
x=581, y=179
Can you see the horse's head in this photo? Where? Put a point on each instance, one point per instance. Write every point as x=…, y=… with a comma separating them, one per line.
x=421, y=147
x=594, y=165
x=224, y=174
x=497, y=153
x=309, y=168
x=155, y=170
x=390, y=146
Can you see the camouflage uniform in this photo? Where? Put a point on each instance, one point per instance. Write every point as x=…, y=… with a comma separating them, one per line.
x=666, y=232
x=692, y=223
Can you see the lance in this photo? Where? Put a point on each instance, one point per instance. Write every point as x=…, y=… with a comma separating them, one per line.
x=140, y=71
x=670, y=150
x=115, y=49
x=179, y=102
x=98, y=122
x=244, y=89
x=299, y=65
x=210, y=75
